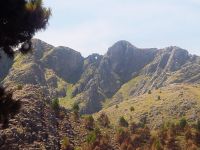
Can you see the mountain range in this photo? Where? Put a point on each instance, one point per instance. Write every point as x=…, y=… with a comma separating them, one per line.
x=97, y=79
x=143, y=85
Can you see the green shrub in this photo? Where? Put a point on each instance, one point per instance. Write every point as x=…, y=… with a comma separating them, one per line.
x=89, y=122
x=198, y=125
x=133, y=127
x=116, y=106
x=75, y=107
x=182, y=123
x=65, y=144
x=122, y=135
x=132, y=108
x=19, y=87
x=149, y=92
x=97, y=132
x=123, y=122
x=157, y=145
x=75, y=115
x=103, y=120
x=91, y=137
x=158, y=98
x=55, y=104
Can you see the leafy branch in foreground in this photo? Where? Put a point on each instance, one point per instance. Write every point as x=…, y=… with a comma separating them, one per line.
x=19, y=21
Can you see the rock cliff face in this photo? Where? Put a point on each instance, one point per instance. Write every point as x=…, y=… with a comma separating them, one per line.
x=122, y=62
x=94, y=79
x=45, y=66
x=66, y=62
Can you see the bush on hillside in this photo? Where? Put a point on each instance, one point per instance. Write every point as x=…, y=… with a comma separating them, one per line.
x=132, y=108
x=103, y=120
x=122, y=135
x=158, y=98
x=198, y=125
x=55, y=104
x=65, y=144
x=89, y=122
x=75, y=109
x=182, y=123
x=149, y=92
x=123, y=122
x=133, y=127
x=97, y=141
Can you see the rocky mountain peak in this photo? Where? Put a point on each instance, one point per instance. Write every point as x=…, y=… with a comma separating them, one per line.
x=175, y=56
x=121, y=48
x=99, y=77
x=66, y=62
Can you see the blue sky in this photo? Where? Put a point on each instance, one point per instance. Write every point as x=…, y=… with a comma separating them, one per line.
x=92, y=26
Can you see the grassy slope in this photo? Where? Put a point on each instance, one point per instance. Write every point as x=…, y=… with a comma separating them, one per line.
x=67, y=101
x=177, y=101
x=123, y=93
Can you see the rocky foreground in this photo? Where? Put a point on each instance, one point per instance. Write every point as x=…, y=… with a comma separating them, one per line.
x=38, y=126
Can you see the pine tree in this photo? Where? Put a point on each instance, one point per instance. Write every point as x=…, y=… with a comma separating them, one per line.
x=19, y=21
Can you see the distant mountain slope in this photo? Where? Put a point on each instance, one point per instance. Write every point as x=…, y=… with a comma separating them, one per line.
x=122, y=62
x=167, y=104
x=47, y=66
x=97, y=79
x=170, y=65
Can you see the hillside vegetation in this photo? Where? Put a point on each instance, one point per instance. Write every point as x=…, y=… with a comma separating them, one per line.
x=167, y=104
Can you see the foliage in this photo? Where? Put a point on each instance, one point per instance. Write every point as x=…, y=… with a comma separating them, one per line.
x=123, y=122
x=132, y=108
x=149, y=92
x=158, y=98
x=97, y=141
x=65, y=144
x=182, y=123
x=19, y=20
x=91, y=138
x=157, y=145
x=133, y=127
x=198, y=125
x=122, y=135
x=19, y=87
x=103, y=120
x=75, y=107
x=89, y=122
x=55, y=104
